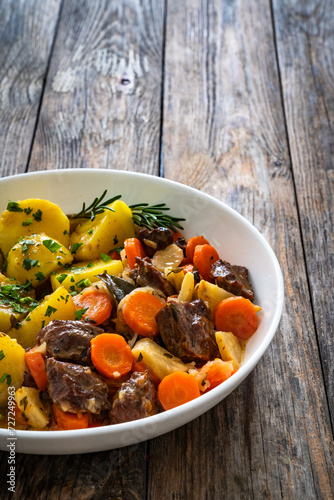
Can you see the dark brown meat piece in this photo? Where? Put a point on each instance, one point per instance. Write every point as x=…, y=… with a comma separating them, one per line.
x=181, y=243
x=69, y=340
x=187, y=330
x=135, y=399
x=233, y=279
x=76, y=388
x=147, y=275
x=156, y=239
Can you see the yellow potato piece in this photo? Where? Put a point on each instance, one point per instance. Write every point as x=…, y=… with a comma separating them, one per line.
x=7, y=313
x=187, y=288
x=229, y=347
x=81, y=271
x=58, y=305
x=211, y=294
x=157, y=358
x=35, y=216
x=33, y=411
x=12, y=366
x=107, y=231
x=35, y=258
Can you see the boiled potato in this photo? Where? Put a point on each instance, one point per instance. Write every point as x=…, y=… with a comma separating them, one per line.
x=31, y=216
x=9, y=312
x=12, y=366
x=33, y=411
x=187, y=288
x=58, y=305
x=157, y=358
x=211, y=294
x=229, y=347
x=175, y=277
x=107, y=231
x=35, y=258
x=82, y=271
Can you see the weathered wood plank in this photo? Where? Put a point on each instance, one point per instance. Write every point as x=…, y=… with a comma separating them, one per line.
x=27, y=31
x=305, y=46
x=224, y=132
x=102, y=100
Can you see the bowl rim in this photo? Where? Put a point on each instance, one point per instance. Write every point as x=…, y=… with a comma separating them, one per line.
x=192, y=408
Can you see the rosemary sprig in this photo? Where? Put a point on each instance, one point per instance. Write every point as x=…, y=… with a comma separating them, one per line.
x=143, y=214
x=97, y=207
x=151, y=216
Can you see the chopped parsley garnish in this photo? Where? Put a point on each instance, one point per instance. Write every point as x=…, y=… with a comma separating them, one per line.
x=61, y=278
x=65, y=232
x=13, y=206
x=115, y=239
x=2, y=355
x=105, y=257
x=83, y=283
x=51, y=245
x=37, y=215
x=168, y=355
x=90, y=264
x=27, y=210
x=50, y=310
x=27, y=222
x=43, y=325
x=80, y=313
x=90, y=232
x=40, y=276
x=13, y=295
x=140, y=357
x=24, y=402
x=75, y=247
x=28, y=263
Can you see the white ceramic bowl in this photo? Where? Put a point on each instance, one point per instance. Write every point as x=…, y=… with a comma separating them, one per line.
x=236, y=240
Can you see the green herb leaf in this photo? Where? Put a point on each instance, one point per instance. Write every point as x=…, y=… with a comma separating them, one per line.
x=27, y=222
x=75, y=247
x=105, y=257
x=13, y=206
x=37, y=215
x=81, y=312
x=51, y=245
x=28, y=263
x=50, y=310
x=2, y=355
x=61, y=278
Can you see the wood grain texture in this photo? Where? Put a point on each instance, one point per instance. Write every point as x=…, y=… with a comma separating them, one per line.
x=224, y=132
x=26, y=35
x=101, y=106
x=305, y=47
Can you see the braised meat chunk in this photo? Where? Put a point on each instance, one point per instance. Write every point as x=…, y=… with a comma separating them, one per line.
x=135, y=399
x=187, y=330
x=147, y=275
x=233, y=279
x=69, y=340
x=156, y=239
x=76, y=388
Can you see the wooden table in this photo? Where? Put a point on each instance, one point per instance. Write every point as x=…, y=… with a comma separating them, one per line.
x=235, y=98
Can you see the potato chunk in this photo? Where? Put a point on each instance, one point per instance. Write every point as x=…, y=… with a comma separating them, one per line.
x=35, y=258
x=157, y=358
x=58, y=305
x=31, y=216
x=33, y=411
x=229, y=347
x=211, y=294
x=107, y=231
x=10, y=293
x=12, y=366
x=78, y=273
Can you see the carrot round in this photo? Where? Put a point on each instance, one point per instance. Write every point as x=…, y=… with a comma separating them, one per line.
x=97, y=302
x=69, y=421
x=111, y=355
x=236, y=315
x=204, y=257
x=192, y=244
x=217, y=371
x=139, y=312
x=133, y=248
x=36, y=364
x=176, y=389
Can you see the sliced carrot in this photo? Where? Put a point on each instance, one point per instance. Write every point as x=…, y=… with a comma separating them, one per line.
x=111, y=355
x=236, y=315
x=217, y=371
x=192, y=244
x=204, y=257
x=188, y=268
x=176, y=389
x=139, y=366
x=139, y=312
x=69, y=421
x=36, y=364
x=133, y=248
x=97, y=302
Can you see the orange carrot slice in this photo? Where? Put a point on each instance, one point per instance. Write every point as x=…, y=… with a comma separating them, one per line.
x=111, y=355
x=236, y=315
